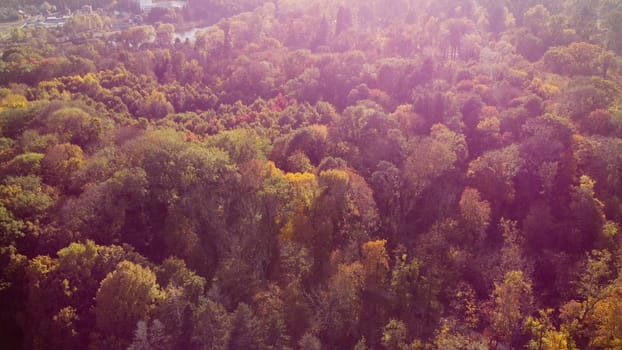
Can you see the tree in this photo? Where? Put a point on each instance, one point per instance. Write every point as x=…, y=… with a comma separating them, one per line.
x=76, y=126
x=341, y=305
x=174, y=272
x=26, y=197
x=246, y=330
x=344, y=19
x=475, y=214
x=394, y=335
x=183, y=292
x=513, y=302
x=544, y=335
x=587, y=95
x=10, y=228
x=156, y=106
x=149, y=337
x=493, y=174
x=607, y=317
x=589, y=216
x=457, y=28
x=311, y=140
x=126, y=296
x=361, y=344
x=25, y=164
x=60, y=163
x=375, y=262
x=212, y=329
x=309, y=342
x=386, y=182
x=613, y=25
x=432, y=157
x=164, y=34
x=271, y=311
x=136, y=36
x=449, y=337
x=512, y=255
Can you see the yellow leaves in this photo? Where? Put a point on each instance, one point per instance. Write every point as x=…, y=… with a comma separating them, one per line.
x=336, y=180
x=67, y=289
x=544, y=335
x=41, y=265
x=610, y=229
x=305, y=186
x=587, y=184
x=66, y=315
x=300, y=178
x=9, y=191
x=607, y=318
x=270, y=170
x=349, y=276
x=287, y=232
x=65, y=319
x=555, y=340
x=82, y=255
x=546, y=87
x=306, y=190
x=14, y=101
x=320, y=130
x=490, y=125
x=10, y=100
x=513, y=301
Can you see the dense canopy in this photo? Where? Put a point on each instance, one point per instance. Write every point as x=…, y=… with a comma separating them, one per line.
x=322, y=174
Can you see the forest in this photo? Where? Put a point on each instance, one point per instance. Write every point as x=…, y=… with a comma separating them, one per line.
x=321, y=174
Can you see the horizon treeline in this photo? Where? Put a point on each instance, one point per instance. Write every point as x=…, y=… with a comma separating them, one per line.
x=387, y=174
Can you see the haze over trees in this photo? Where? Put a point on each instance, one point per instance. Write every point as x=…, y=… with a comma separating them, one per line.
x=386, y=174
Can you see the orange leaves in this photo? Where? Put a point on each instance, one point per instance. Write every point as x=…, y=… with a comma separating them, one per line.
x=375, y=262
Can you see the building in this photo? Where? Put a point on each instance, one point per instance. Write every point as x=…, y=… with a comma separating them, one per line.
x=148, y=5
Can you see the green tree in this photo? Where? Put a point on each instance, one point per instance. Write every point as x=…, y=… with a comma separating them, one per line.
x=126, y=296
x=25, y=164
x=10, y=228
x=589, y=217
x=156, y=106
x=26, y=197
x=76, y=126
